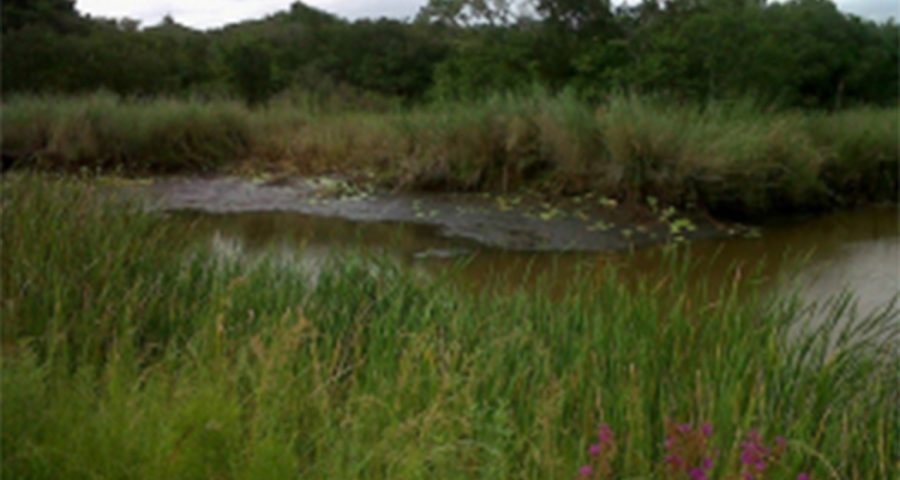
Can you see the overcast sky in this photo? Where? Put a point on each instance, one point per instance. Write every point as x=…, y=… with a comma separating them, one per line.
x=215, y=13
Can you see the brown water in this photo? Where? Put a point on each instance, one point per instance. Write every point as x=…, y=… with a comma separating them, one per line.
x=857, y=250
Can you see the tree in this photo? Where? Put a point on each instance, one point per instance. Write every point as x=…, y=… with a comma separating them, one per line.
x=491, y=60
x=249, y=64
x=468, y=13
x=798, y=53
x=583, y=17
x=57, y=15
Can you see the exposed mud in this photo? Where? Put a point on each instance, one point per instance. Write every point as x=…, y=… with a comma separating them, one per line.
x=523, y=222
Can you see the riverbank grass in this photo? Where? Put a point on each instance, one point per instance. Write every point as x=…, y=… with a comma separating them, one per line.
x=129, y=353
x=733, y=159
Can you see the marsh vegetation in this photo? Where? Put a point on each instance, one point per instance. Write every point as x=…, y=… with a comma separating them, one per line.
x=132, y=350
x=733, y=158
x=129, y=352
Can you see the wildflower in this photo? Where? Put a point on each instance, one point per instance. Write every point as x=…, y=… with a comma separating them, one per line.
x=605, y=435
x=601, y=453
x=757, y=457
x=688, y=450
x=753, y=451
x=803, y=476
x=697, y=473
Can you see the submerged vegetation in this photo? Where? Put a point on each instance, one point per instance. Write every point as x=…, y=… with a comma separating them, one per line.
x=130, y=353
x=732, y=158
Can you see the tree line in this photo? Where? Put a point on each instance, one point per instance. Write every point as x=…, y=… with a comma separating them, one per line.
x=800, y=53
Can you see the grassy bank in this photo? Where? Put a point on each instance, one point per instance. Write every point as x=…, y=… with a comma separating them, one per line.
x=129, y=354
x=732, y=159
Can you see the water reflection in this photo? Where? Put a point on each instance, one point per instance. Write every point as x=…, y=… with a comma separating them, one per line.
x=856, y=250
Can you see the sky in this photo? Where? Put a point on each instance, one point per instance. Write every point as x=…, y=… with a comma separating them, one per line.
x=215, y=13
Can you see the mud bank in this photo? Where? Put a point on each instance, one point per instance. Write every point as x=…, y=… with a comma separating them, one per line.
x=521, y=222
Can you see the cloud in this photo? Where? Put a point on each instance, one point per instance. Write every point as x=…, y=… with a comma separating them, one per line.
x=370, y=8
x=196, y=13
x=215, y=13
x=873, y=9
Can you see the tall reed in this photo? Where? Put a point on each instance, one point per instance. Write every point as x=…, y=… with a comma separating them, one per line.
x=130, y=353
x=734, y=159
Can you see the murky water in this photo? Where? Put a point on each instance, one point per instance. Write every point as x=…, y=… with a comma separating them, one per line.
x=857, y=250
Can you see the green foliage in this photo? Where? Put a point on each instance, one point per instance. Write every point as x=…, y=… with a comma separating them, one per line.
x=493, y=60
x=250, y=65
x=732, y=158
x=472, y=49
x=385, y=56
x=108, y=56
x=129, y=353
x=466, y=13
x=103, y=132
x=58, y=15
x=860, y=151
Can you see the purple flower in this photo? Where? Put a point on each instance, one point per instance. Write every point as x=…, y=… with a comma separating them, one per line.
x=707, y=429
x=586, y=471
x=748, y=457
x=684, y=428
x=753, y=437
x=697, y=474
x=605, y=435
x=803, y=476
x=594, y=450
x=674, y=460
x=707, y=463
x=753, y=452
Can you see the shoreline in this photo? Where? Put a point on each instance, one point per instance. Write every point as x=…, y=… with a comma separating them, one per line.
x=521, y=222
x=730, y=163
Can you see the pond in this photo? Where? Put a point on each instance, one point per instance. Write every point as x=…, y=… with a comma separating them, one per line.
x=857, y=250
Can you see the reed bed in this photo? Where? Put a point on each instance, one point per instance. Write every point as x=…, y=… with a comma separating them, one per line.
x=131, y=353
x=731, y=158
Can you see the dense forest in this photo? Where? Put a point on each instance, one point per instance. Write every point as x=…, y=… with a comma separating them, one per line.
x=801, y=53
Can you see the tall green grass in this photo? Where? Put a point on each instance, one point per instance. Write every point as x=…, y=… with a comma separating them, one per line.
x=143, y=136
x=731, y=158
x=128, y=353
